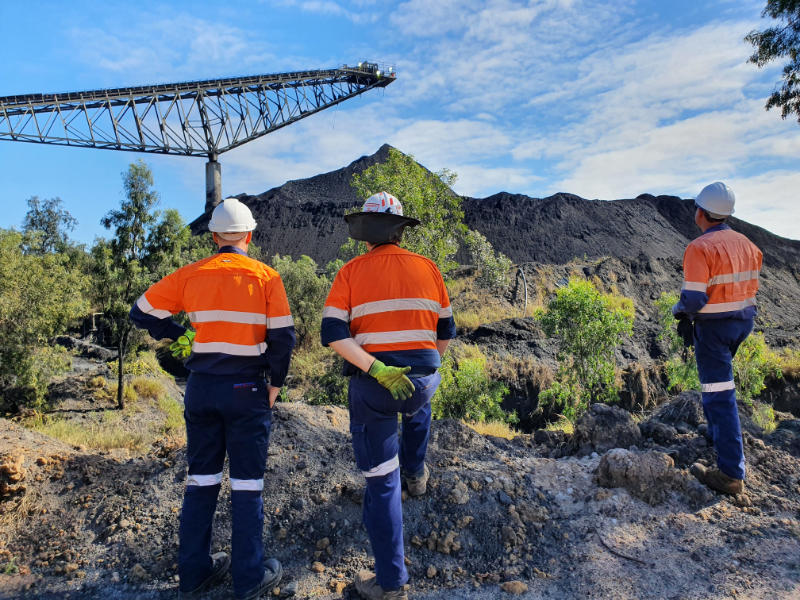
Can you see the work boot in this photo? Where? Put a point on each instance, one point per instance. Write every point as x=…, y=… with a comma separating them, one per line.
x=368, y=588
x=717, y=480
x=418, y=485
x=272, y=575
x=219, y=566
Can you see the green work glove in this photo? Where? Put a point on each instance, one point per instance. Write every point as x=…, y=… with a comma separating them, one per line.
x=393, y=379
x=182, y=347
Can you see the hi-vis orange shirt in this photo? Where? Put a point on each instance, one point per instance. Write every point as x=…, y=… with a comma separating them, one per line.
x=238, y=307
x=720, y=276
x=394, y=304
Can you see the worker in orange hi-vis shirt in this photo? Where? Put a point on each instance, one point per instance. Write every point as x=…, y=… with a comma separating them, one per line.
x=388, y=315
x=715, y=314
x=244, y=333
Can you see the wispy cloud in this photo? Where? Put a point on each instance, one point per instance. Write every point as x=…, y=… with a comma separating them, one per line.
x=362, y=11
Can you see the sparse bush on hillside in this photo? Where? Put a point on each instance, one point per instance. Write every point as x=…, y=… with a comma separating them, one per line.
x=493, y=267
x=306, y=291
x=589, y=326
x=467, y=392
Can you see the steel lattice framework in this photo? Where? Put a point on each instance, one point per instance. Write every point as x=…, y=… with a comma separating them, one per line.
x=198, y=118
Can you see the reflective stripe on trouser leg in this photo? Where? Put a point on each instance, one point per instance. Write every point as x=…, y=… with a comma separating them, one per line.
x=417, y=424
x=383, y=519
x=715, y=343
x=194, y=549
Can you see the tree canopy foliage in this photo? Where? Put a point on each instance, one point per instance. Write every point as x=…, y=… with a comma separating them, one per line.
x=40, y=296
x=47, y=225
x=778, y=42
x=427, y=196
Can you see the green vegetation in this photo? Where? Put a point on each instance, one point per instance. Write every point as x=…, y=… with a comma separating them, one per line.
x=41, y=295
x=681, y=366
x=589, y=326
x=467, y=391
x=781, y=41
x=306, y=291
x=751, y=365
x=428, y=197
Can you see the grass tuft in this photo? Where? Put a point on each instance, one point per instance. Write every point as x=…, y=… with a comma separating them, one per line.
x=493, y=428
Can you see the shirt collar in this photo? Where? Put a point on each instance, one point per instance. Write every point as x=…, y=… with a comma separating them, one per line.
x=232, y=249
x=720, y=227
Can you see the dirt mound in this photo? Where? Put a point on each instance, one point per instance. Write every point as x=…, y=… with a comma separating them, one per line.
x=104, y=525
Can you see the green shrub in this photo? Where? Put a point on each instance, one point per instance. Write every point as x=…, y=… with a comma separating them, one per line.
x=306, y=291
x=764, y=417
x=751, y=365
x=329, y=388
x=467, y=392
x=589, y=326
x=40, y=296
x=492, y=266
x=681, y=366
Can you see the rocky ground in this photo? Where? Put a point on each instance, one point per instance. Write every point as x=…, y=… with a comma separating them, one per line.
x=609, y=512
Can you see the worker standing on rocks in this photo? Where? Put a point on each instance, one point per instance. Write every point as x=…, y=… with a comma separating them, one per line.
x=389, y=316
x=244, y=332
x=716, y=311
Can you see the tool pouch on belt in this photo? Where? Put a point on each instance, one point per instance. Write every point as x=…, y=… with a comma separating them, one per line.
x=686, y=331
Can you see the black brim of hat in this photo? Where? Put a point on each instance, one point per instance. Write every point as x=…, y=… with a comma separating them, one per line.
x=377, y=227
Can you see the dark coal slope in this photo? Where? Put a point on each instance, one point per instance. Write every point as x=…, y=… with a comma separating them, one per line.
x=562, y=227
x=305, y=216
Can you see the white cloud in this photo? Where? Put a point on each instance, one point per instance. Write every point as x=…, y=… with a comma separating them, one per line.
x=159, y=48
x=770, y=200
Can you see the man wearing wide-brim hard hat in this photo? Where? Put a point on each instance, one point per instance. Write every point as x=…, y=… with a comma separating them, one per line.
x=388, y=315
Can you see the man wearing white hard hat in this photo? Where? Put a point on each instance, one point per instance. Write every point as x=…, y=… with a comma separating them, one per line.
x=716, y=309
x=388, y=315
x=238, y=356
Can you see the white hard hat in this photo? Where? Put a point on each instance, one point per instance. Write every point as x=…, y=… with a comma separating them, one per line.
x=383, y=202
x=231, y=216
x=717, y=198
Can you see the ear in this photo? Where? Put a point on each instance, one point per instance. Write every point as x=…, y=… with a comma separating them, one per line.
x=214, y=237
x=249, y=237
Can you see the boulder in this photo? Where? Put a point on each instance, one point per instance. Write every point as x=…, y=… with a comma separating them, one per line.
x=604, y=427
x=650, y=476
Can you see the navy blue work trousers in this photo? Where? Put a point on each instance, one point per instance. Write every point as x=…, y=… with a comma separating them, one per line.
x=715, y=343
x=224, y=414
x=380, y=453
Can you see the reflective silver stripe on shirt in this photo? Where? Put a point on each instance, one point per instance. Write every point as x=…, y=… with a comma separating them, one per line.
x=204, y=480
x=331, y=312
x=278, y=322
x=719, y=386
x=446, y=312
x=148, y=309
x=728, y=306
x=734, y=277
x=384, y=468
x=227, y=348
x=229, y=316
x=694, y=286
x=395, y=337
x=249, y=485
x=380, y=306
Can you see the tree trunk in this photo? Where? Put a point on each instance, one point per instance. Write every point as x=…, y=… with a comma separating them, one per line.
x=121, y=347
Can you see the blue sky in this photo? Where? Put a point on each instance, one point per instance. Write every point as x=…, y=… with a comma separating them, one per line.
x=601, y=99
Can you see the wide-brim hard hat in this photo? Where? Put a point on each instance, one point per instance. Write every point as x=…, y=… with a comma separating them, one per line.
x=376, y=228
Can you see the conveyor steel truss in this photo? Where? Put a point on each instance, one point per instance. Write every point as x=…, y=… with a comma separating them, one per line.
x=199, y=118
